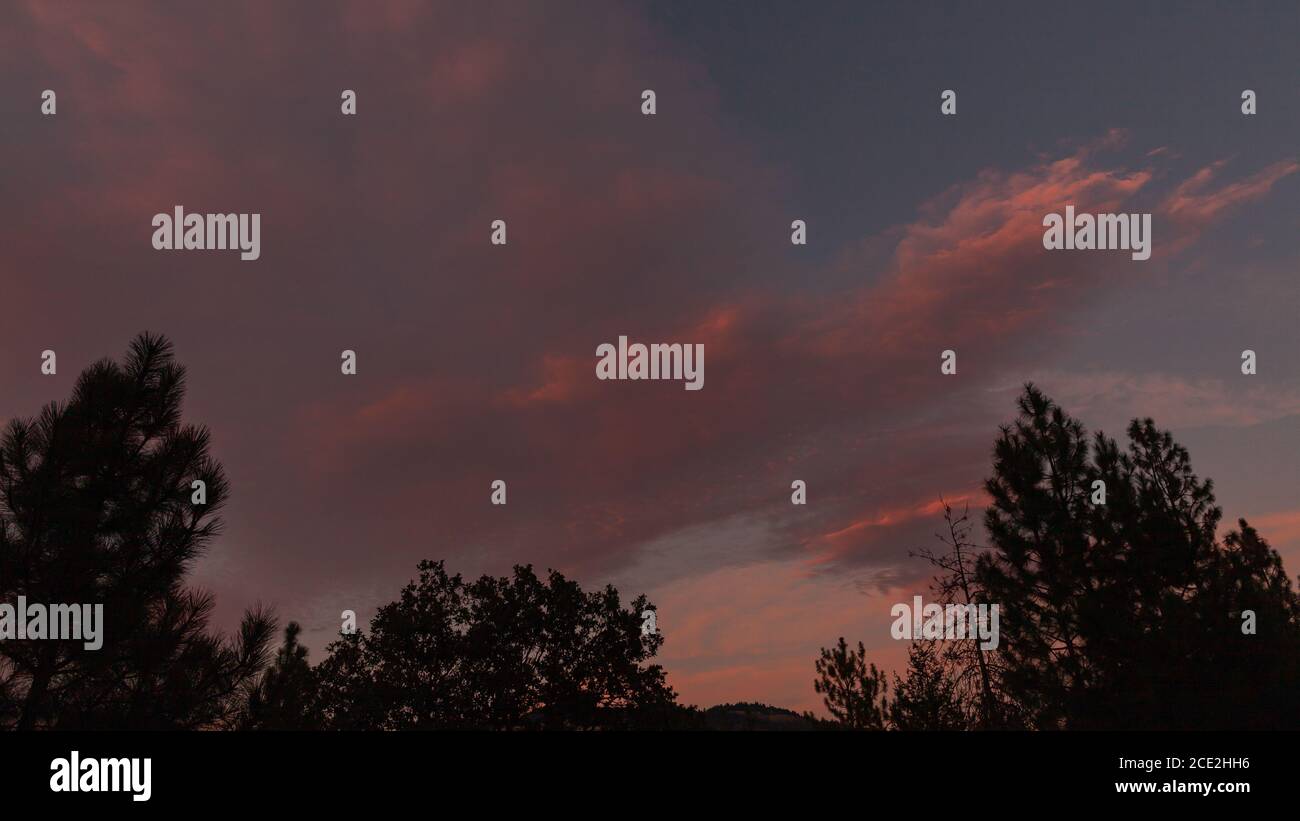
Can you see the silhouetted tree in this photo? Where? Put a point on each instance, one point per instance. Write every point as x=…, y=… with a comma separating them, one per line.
x=962, y=664
x=96, y=508
x=1120, y=607
x=285, y=696
x=498, y=653
x=344, y=696
x=1127, y=613
x=927, y=698
x=853, y=693
x=1037, y=523
x=1259, y=674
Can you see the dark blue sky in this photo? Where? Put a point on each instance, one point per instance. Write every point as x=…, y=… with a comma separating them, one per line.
x=844, y=93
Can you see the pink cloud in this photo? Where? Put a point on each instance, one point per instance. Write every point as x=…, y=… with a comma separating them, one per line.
x=1196, y=201
x=477, y=362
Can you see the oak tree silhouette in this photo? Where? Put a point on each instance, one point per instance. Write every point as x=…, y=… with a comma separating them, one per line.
x=498, y=653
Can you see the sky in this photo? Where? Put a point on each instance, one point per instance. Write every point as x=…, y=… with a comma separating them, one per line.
x=477, y=362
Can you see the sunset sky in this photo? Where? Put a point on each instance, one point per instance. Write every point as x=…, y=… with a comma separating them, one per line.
x=477, y=362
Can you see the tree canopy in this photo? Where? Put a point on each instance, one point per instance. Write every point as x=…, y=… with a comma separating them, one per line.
x=1121, y=605
x=96, y=506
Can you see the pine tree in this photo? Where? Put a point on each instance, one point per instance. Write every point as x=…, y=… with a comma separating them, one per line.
x=853, y=692
x=96, y=507
x=1128, y=613
x=284, y=698
x=926, y=699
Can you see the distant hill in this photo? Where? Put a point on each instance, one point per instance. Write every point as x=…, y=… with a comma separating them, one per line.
x=752, y=716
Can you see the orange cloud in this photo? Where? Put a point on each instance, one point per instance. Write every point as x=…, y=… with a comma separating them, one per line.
x=865, y=531
x=477, y=362
x=1195, y=202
